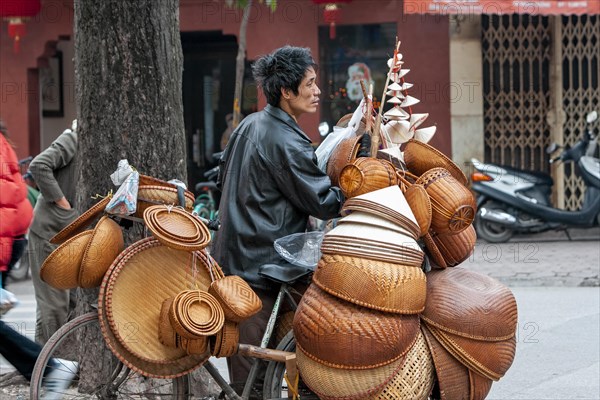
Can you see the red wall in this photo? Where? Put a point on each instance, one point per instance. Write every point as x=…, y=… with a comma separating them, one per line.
x=425, y=46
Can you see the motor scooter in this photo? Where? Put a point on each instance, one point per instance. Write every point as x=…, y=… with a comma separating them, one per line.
x=510, y=200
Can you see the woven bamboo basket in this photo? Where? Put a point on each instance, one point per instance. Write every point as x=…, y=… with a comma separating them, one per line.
x=455, y=249
x=343, y=335
x=236, y=297
x=366, y=174
x=81, y=222
x=491, y=360
x=416, y=377
x=196, y=313
x=163, y=369
x=103, y=247
x=432, y=250
x=470, y=304
x=373, y=284
x=61, y=268
x=343, y=154
x=479, y=386
x=344, y=384
x=138, y=285
x=153, y=195
x=166, y=333
x=225, y=342
x=452, y=204
x=452, y=376
x=420, y=204
x=421, y=157
x=176, y=228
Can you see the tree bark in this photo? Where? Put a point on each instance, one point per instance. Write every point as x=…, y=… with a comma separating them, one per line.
x=240, y=66
x=128, y=79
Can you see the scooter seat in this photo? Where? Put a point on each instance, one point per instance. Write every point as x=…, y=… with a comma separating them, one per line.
x=288, y=273
x=536, y=177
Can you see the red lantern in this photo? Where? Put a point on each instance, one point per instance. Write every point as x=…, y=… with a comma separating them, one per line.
x=17, y=12
x=332, y=13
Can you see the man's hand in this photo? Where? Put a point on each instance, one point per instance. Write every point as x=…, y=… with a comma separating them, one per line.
x=63, y=203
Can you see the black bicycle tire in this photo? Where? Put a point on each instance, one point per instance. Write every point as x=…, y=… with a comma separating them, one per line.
x=180, y=384
x=275, y=371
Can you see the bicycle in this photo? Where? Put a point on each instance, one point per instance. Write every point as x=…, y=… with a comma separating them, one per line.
x=124, y=382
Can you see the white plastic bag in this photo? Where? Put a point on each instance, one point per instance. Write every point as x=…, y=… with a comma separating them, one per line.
x=326, y=147
x=303, y=249
x=124, y=202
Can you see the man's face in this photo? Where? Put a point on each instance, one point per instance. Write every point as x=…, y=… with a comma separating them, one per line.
x=307, y=99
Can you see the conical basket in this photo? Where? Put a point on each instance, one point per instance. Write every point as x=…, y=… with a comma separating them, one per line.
x=103, y=247
x=61, y=268
x=81, y=222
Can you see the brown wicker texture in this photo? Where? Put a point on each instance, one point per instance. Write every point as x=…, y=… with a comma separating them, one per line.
x=366, y=174
x=489, y=359
x=373, y=284
x=343, y=154
x=196, y=313
x=416, y=377
x=452, y=204
x=166, y=332
x=161, y=370
x=194, y=346
x=470, y=304
x=452, y=376
x=81, y=222
x=420, y=204
x=176, y=228
x=61, y=268
x=480, y=386
x=146, y=180
x=421, y=157
x=340, y=334
x=141, y=278
x=344, y=384
x=153, y=195
x=225, y=342
x=456, y=248
x=102, y=249
x=285, y=323
x=434, y=253
x=238, y=300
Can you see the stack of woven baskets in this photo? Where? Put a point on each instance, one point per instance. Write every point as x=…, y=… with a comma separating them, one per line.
x=357, y=328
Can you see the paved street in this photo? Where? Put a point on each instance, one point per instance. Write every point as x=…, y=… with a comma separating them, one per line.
x=555, y=283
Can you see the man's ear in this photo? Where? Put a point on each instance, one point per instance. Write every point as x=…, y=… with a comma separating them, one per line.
x=285, y=93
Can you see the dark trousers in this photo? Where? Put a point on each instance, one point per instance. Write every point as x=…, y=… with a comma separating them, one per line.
x=18, y=248
x=19, y=350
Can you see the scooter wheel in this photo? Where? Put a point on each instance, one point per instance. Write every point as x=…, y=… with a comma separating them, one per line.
x=490, y=231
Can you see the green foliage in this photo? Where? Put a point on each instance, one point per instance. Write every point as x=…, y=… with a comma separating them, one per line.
x=272, y=4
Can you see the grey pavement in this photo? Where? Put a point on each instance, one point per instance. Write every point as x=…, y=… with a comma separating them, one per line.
x=555, y=282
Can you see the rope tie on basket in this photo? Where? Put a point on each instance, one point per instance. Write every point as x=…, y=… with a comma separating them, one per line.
x=99, y=196
x=293, y=387
x=194, y=272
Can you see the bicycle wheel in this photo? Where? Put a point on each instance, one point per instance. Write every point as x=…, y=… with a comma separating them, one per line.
x=275, y=386
x=56, y=359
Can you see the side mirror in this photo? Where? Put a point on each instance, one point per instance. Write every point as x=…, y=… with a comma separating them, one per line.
x=323, y=129
x=591, y=117
x=552, y=148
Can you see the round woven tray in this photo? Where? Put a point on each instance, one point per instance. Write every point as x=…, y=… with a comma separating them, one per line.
x=196, y=313
x=374, y=284
x=81, y=222
x=145, y=274
x=165, y=370
x=340, y=334
x=416, y=377
x=225, y=342
x=103, y=247
x=344, y=384
x=176, y=228
x=470, y=304
x=61, y=268
x=153, y=195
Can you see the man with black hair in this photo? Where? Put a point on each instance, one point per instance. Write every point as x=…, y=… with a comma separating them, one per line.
x=270, y=182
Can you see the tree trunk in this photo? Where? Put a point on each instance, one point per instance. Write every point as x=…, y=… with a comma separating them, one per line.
x=128, y=79
x=240, y=66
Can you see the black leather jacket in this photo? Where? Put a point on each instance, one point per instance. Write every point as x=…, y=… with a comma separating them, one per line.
x=270, y=184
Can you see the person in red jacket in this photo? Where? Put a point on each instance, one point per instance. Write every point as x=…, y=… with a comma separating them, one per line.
x=15, y=209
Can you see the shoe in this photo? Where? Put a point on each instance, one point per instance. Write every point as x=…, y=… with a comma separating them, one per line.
x=7, y=301
x=59, y=378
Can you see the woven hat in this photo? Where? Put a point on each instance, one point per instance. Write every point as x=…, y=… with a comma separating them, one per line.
x=416, y=377
x=344, y=384
x=137, y=283
x=375, y=235
x=452, y=376
x=161, y=370
x=153, y=195
x=225, y=342
x=103, y=247
x=470, y=304
x=81, y=222
x=359, y=217
x=374, y=284
x=236, y=297
x=176, y=228
x=421, y=157
x=196, y=313
x=61, y=268
x=343, y=335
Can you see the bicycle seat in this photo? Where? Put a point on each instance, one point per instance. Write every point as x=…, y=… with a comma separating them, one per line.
x=283, y=274
x=208, y=185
